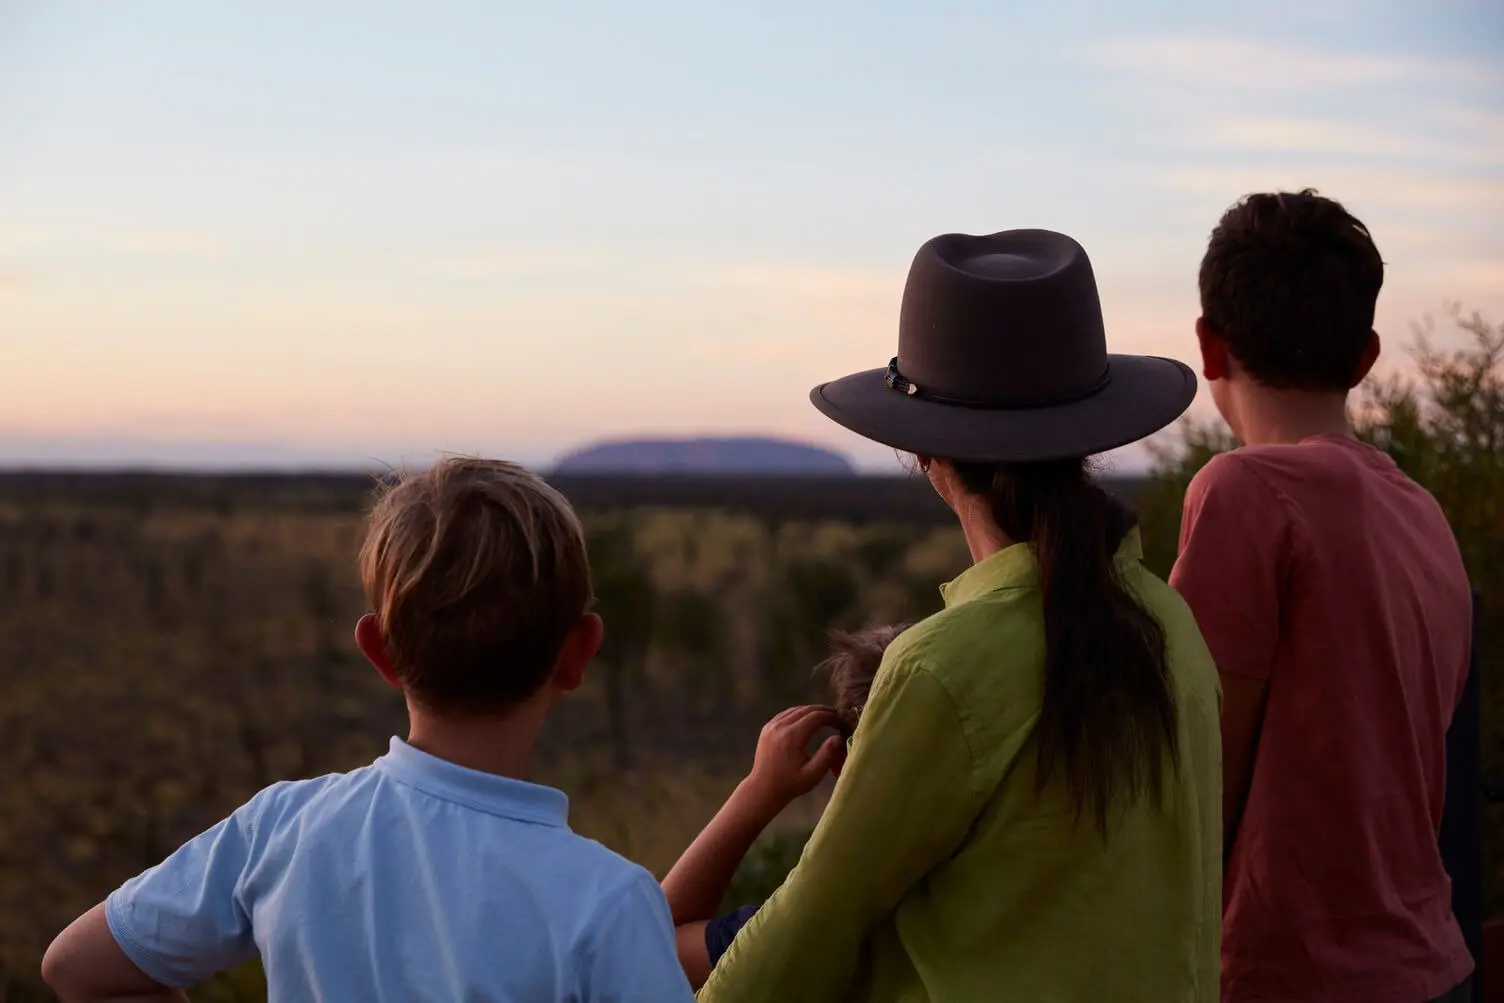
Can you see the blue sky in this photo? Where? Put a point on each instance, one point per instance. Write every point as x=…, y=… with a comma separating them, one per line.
x=332, y=233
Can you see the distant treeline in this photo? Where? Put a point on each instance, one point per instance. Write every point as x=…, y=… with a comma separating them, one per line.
x=881, y=499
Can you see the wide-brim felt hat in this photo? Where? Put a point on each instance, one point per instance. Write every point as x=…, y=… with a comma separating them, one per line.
x=1002, y=357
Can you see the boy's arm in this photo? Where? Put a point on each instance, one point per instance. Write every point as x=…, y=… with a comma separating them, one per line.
x=699, y=879
x=168, y=928
x=781, y=772
x=703, y=942
x=694, y=952
x=86, y=965
x=1234, y=546
x=1243, y=702
x=904, y=803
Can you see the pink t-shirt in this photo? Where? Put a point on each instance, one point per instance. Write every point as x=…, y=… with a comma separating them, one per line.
x=1323, y=570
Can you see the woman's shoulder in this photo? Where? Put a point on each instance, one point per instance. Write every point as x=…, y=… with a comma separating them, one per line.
x=987, y=653
x=991, y=625
x=1159, y=598
x=1189, y=656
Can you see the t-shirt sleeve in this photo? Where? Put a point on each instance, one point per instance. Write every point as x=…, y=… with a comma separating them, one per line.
x=630, y=954
x=721, y=931
x=183, y=921
x=1234, y=552
x=904, y=803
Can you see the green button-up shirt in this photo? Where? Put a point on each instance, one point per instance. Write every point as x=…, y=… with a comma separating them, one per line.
x=938, y=874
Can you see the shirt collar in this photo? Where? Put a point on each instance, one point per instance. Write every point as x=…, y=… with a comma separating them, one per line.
x=1015, y=566
x=487, y=792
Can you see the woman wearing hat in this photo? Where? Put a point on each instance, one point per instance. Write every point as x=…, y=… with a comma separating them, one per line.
x=1031, y=806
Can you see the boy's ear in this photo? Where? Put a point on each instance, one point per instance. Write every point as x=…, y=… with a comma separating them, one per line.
x=582, y=644
x=1367, y=360
x=372, y=644
x=1214, y=354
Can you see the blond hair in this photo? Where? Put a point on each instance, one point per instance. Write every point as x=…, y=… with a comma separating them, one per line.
x=476, y=573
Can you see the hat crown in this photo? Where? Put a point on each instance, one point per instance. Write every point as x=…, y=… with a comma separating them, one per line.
x=1008, y=320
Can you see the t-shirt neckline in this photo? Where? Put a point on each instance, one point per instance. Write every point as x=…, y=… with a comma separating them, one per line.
x=486, y=792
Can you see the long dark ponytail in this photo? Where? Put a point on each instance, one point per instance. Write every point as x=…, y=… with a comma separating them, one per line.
x=1108, y=717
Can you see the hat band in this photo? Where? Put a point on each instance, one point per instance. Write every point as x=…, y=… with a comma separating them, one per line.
x=896, y=382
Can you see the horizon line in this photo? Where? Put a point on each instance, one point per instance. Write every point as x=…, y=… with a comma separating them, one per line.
x=8, y=472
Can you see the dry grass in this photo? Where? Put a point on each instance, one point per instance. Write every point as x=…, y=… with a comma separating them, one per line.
x=166, y=661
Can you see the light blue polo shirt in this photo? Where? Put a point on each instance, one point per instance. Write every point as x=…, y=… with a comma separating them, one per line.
x=412, y=879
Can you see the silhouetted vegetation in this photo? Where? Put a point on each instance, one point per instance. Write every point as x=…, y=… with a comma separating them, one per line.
x=177, y=646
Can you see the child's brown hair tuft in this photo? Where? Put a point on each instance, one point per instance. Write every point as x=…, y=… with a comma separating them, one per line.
x=852, y=665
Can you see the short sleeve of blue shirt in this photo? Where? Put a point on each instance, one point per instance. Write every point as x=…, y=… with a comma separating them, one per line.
x=182, y=921
x=720, y=931
x=631, y=956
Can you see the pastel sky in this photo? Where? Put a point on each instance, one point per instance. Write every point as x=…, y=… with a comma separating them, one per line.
x=282, y=233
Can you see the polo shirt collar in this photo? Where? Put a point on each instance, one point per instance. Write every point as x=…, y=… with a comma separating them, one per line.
x=1014, y=567
x=487, y=792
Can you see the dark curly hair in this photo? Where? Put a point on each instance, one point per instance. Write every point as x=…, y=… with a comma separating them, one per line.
x=1289, y=282
x=852, y=666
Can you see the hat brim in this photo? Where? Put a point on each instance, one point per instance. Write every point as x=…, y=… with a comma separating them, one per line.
x=1143, y=395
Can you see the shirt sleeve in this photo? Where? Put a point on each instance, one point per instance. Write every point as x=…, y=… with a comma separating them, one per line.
x=182, y=921
x=630, y=952
x=721, y=931
x=903, y=804
x=1234, y=546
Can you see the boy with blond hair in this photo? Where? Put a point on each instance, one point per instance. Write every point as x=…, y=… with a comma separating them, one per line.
x=439, y=872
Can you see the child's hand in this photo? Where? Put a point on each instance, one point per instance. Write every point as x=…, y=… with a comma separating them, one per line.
x=782, y=771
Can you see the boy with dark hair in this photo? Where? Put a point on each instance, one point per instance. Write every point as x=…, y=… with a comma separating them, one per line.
x=1332, y=595
x=438, y=872
x=781, y=772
